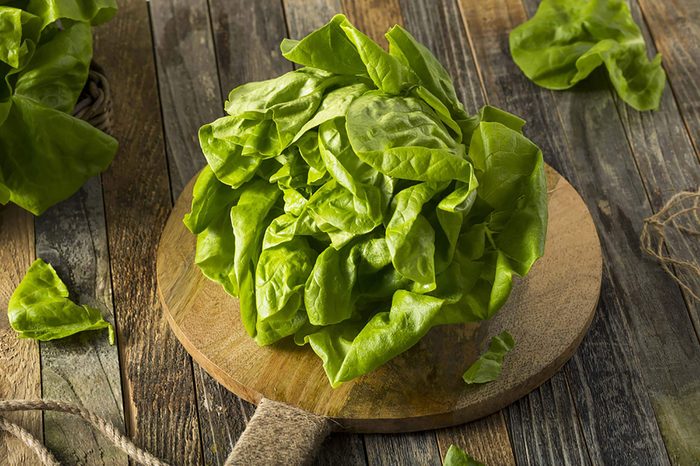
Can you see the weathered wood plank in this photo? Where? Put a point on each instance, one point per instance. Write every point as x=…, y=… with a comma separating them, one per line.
x=437, y=25
x=20, y=376
x=157, y=380
x=247, y=37
x=675, y=26
x=222, y=417
x=373, y=17
x=486, y=440
x=654, y=352
x=191, y=96
x=82, y=369
x=398, y=449
x=545, y=428
x=666, y=159
x=187, y=80
x=341, y=449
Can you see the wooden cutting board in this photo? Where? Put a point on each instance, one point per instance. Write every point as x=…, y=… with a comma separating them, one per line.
x=548, y=313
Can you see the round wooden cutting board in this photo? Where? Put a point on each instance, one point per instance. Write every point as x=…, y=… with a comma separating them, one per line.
x=548, y=313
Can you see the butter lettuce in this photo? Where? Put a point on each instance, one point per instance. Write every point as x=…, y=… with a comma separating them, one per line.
x=567, y=39
x=46, y=154
x=354, y=204
x=40, y=309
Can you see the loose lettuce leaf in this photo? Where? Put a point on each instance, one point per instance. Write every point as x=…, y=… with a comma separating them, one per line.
x=457, y=457
x=366, y=206
x=45, y=52
x=489, y=365
x=40, y=309
x=48, y=154
x=566, y=40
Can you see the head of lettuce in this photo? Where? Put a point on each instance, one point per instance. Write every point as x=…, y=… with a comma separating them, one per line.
x=354, y=204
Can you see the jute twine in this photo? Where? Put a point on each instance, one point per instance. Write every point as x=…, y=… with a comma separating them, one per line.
x=277, y=434
x=105, y=427
x=95, y=102
x=677, y=221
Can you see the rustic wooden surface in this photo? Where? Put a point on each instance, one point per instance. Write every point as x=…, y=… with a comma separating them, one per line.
x=630, y=394
x=548, y=315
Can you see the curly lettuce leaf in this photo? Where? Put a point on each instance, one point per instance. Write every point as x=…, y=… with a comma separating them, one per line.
x=566, y=40
x=40, y=309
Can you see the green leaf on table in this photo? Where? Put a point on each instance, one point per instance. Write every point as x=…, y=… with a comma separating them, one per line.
x=566, y=40
x=40, y=309
x=457, y=457
x=489, y=365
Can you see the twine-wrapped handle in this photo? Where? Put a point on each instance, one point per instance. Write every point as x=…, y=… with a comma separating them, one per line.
x=279, y=434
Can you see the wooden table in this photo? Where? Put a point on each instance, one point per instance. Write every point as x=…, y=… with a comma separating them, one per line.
x=630, y=395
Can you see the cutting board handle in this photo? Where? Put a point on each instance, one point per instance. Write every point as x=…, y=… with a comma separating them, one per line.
x=279, y=434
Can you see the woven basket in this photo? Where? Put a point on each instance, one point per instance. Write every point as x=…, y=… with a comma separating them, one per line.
x=95, y=102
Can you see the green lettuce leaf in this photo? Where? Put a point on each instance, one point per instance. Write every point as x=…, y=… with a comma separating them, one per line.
x=566, y=40
x=489, y=365
x=45, y=54
x=457, y=457
x=48, y=154
x=40, y=309
x=366, y=206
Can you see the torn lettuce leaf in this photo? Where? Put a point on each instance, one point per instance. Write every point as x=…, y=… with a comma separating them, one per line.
x=457, y=457
x=40, y=309
x=489, y=365
x=567, y=39
x=354, y=204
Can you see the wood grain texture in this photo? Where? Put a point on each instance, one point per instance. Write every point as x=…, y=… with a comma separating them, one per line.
x=437, y=25
x=666, y=160
x=188, y=82
x=373, y=17
x=84, y=368
x=675, y=27
x=412, y=448
x=190, y=97
x=544, y=426
x=157, y=380
x=656, y=352
x=20, y=376
x=548, y=314
x=486, y=440
x=247, y=36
